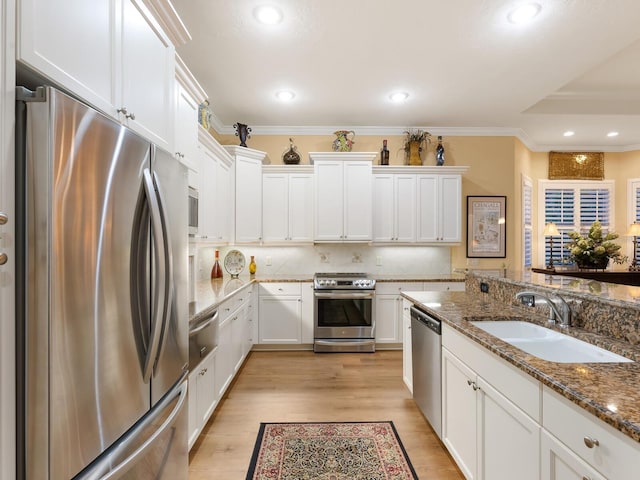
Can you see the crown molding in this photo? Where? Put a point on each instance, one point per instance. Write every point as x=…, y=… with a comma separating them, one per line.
x=165, y=14
x=189, y=82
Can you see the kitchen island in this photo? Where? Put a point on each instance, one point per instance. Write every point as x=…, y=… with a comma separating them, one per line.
x=594, y=393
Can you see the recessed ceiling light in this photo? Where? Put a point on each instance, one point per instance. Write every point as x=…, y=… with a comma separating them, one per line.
x=524, y=13
x=268, y=14
x=399, y=96
x=569, y=133
x=285, y=95
x=612, y=134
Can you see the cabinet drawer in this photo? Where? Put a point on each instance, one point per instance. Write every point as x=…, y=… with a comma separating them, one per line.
x=280, y=288
x=444, y=286
x=517, y=386
x=616, y=457
x=394, y=288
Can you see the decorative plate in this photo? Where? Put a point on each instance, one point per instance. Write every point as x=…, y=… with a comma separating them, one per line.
x=234, y=262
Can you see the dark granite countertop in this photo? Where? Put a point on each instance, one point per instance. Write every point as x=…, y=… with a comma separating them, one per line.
x=610, y=391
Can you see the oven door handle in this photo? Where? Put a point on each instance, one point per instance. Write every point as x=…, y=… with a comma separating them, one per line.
x=347, y=296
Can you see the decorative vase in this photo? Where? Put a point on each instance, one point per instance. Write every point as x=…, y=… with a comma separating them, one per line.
x=439, y=153
x=252, y=265
x=291, y=156
x=343, y=143
x=242, y=132
x=414, y=150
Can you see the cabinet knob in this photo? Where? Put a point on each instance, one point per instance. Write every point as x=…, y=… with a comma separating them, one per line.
x=3, y=218
x=586, y=478
x=125, y=112
x=591, y=442
x=3, y=258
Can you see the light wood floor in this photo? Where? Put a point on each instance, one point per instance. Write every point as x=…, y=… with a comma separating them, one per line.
x=307, y=387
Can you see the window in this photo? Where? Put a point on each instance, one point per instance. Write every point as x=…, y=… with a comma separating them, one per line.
x=633, y=207
x=527, y=222
x=572, y=206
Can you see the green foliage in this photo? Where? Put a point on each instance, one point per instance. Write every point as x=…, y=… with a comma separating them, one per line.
x=594, y=247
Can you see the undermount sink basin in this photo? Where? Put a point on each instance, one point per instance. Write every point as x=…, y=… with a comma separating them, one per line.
x=548, y=344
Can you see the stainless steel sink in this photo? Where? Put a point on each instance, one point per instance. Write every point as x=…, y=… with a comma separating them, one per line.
x=548, y=344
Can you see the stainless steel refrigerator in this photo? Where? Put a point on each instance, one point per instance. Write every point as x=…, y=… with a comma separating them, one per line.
x=102, y=306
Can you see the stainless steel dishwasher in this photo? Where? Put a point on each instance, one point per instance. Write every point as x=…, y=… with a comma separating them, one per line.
x=426, y=346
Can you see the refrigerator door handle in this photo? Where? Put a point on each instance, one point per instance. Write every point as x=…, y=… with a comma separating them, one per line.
x=168, y=271
x=104, y=470
x=159, y=294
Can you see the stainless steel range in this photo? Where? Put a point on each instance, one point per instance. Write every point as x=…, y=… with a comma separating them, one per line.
x=344, y=312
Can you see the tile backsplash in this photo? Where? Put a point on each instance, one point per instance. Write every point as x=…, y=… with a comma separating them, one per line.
x=308, y=259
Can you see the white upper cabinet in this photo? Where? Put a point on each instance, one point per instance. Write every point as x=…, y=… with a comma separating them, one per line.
x=188, y=96
x=439, y=208
x=73, y=42
x=343, y=195
x=287, y=203
x=248, y=193
x=111, y=53
x=394, y=207
x=212, y=182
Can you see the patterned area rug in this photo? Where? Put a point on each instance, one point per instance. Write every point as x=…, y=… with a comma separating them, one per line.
x=329, y=451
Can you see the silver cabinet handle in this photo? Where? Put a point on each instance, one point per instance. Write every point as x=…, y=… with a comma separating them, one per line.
x=3, y=218
x=591, y=442
x=3, y=258
x=125, y=112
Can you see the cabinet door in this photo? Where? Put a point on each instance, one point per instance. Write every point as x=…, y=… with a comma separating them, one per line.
x=405, y=208
x=450, y=198
x=307, y=312
x=206, y=396
x=72, y=42
x=224, y=205
x=186, y=127
x=301, y=207
x=459, y=414
x=508, y=440
x=148, y=74
x=407, y=367
x=357, y=199
x=193, y=425
x=427, y=208
x=248, y=200
x=387, y=319
x=207, y=205
x=329, y=202
x=280, y=319
x=238, y=331
x=275, y=207
x=560, y=463
x=223, y=364
x=383, y=208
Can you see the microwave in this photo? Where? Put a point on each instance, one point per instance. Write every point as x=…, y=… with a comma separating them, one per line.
x=193, y=211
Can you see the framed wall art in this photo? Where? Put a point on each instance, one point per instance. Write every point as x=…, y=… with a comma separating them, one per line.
x=486, y=227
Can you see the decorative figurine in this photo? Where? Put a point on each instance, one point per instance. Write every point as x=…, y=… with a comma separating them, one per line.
x=342, y=143
x=439, y=152
x=243, y=132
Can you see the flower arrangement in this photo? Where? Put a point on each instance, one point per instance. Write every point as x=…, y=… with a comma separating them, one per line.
x=594, y=249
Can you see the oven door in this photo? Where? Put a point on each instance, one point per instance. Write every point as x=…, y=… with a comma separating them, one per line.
x=342, y=314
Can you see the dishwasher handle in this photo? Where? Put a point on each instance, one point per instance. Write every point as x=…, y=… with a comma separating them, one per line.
x=431, y=323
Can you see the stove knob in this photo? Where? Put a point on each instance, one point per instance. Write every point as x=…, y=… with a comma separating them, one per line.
x=333, y=283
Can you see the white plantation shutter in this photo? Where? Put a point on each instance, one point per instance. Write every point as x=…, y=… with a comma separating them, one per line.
x=573, y=206
x=527, y=221
x=634, y=207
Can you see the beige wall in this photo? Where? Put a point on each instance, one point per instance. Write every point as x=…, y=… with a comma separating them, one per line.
x=497, y=165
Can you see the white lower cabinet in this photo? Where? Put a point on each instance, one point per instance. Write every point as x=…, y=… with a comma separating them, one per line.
x=407, y=367
x=280, y=313
x=560, y=463
x=389, y=310
x=489, y=436
x=203, y=397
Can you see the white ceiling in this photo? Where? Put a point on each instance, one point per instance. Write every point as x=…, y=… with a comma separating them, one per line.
x=467, y=69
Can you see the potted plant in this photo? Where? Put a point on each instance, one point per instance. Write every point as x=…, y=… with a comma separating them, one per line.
x=414, y=142
x=594, y=250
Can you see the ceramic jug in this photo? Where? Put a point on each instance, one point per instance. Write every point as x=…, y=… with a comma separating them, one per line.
x=343, y=143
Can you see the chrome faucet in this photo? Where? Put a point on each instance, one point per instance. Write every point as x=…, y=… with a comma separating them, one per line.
x=559, y=309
